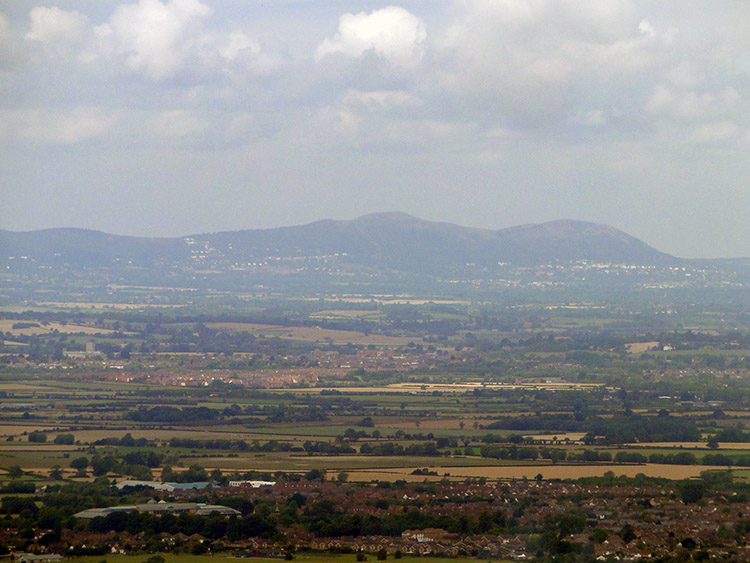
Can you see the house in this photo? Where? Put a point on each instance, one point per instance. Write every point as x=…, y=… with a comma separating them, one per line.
x=158, y=486
x=253, y=484
x=159, y=508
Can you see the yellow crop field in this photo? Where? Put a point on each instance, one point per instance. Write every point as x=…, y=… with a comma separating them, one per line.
x=6, y=325
x=547, y=471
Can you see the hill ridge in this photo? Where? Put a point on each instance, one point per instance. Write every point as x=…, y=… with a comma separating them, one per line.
x=391, y=240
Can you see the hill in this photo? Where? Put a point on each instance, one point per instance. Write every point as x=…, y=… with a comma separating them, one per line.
x=395, y=241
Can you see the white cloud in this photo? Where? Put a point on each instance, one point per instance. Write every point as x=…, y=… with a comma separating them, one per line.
x=240, y=54
x=392, y=33
x=178, y=124
x=81, y=124
x=694, y=105
x=53, y=25
x=157, y=39
x=7, y=44
x=36, y=126
x=533, y=62
x=236, y=43
x=716, y=132
x=174, y=41
x=593, y=118
x=661, y=99
x=378, y=100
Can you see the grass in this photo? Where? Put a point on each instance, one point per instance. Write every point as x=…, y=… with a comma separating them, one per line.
x=30, y=460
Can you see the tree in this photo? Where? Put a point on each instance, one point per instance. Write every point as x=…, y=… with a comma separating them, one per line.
x=367, y=422
x=627, y=533
x=315, y=475
x=37, y=436
x=713, y=443
x=15, y=471
x=65, y=439
x=79, y=463
x=125, y=352
x=691, y=491
x=599, y=535
x=193, y=474
x=168, y=474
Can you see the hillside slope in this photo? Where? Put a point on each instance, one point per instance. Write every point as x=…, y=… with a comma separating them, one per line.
x=395, y=241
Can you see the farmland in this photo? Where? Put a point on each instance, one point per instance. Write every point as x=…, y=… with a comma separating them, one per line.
x=361, y=397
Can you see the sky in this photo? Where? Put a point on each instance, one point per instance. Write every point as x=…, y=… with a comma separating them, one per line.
x=174, y=117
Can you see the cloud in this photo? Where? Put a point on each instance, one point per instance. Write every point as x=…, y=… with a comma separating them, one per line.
x=156, y=39
x=366, y=114
x=76, y=125
x=7, y=44
x=174, y=41
x=693, y=105
x=716, y=132
x=379, y=100
x=82, y=123
x=237, y=43
x=178, y=124
x=393, y=34
x=54, y=26
x=240, y=54
x=536, y=62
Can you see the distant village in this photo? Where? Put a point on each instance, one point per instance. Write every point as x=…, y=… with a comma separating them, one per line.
x=482, y=519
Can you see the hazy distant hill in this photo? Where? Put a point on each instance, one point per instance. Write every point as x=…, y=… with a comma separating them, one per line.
x=395, y=241
x=402, y=242
x=90, y=249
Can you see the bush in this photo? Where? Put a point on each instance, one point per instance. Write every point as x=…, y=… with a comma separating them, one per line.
x=691, y=491
x=18, y=487
x=79, y=463
x=37, y=436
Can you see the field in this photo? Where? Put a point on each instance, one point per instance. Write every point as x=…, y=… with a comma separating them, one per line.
x=344, y=313
x=693, y=445
x=101, y=305
x=50, y=328
x=390, y=408
x=314, y=334
x=641, y=347
x=547, y=471
x=391, y=300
